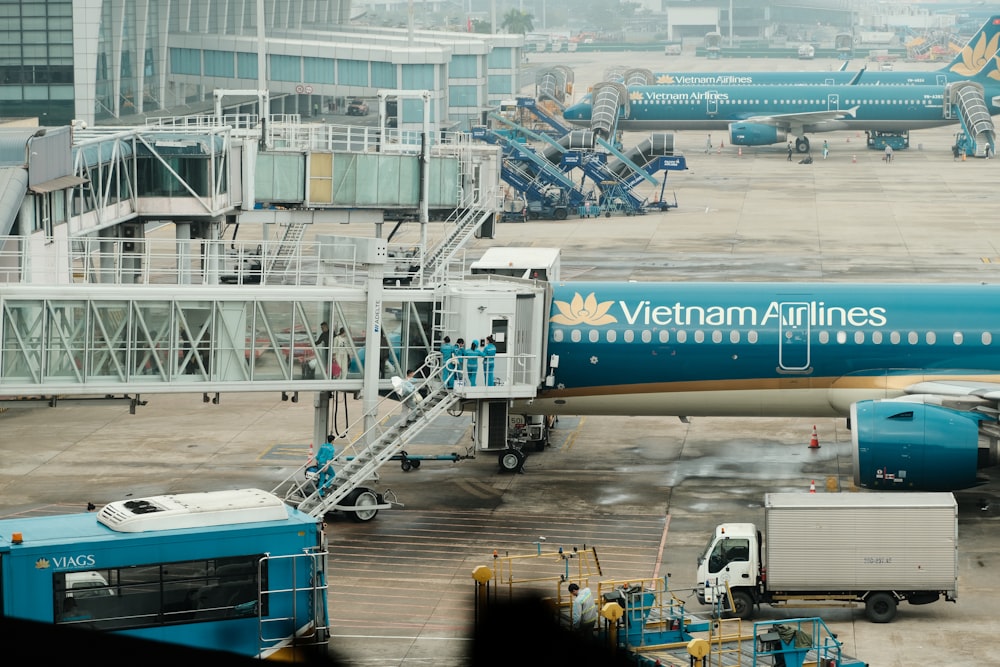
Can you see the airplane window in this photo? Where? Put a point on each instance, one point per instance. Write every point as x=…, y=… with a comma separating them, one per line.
x=859, y=337
x=877, y=337
x=682, y=336
x=612, y=336
x=751, y=336
x=716, y=336
x=957, y=338
x=931, y=338
x=594, y=336
x=699, y=336
x=912, y=338
x=841, y=337
x=734, y=336
x=894, y=338
x=574, y=335
x=664, y=335
x=557, y=335
x=824, y=337
x=628, y=336
x=647, y=335
x=987, y=338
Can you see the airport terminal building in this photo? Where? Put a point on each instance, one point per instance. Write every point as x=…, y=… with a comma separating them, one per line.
x=118, y=61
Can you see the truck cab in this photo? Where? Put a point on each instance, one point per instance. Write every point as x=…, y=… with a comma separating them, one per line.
x=731, y=557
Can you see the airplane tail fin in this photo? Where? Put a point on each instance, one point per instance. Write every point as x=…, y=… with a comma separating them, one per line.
x=978, y=51
x=990, y=72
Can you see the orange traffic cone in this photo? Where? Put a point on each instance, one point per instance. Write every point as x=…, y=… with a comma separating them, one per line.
x=740, y=151
x=854, y=159
x=722, y=144
x=814, y=440
x=812, y=486
x=311, y=461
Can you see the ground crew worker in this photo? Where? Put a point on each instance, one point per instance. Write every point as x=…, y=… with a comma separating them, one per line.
x=447, y=352
x=583, y=615
x=489, y=358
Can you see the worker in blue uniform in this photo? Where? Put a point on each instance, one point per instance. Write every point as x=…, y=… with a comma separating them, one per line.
x=448, y=371
x=489, y=358
x=324, y=456
x=472, y=363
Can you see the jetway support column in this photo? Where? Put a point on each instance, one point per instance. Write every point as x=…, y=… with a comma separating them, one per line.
x=321, y=417
x=374, y=253
x=182, y=234
x=106, y=259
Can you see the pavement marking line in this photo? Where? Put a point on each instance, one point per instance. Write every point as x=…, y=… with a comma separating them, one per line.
x=478, y=489
x=663, y=545
x=571, y=438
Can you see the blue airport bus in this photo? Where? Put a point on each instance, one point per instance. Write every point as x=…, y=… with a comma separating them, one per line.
x=237, y=571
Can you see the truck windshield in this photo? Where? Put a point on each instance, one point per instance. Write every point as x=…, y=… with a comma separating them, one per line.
x=727, y=551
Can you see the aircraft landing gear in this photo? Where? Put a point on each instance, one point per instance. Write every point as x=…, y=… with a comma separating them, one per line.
x=512, y=460
x=802, y=145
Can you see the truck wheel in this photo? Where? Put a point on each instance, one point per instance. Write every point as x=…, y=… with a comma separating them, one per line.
x=559, y=214
x=880, y=607
x=361, y=498
x=742, y=605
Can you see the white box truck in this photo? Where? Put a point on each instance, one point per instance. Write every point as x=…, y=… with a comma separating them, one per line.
x=836, y=548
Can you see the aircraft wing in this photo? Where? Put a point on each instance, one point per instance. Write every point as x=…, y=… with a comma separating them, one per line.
x=804, y=118
x=987, y=391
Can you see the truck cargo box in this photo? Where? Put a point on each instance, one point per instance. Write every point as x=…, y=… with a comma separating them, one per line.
x=861, y=541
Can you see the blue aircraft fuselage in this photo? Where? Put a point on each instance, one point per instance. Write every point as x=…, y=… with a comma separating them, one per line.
x=761, y=349
x=889, y=108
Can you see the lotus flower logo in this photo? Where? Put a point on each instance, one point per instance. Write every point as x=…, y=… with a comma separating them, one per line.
x=666, y=79
x=42, y=564
x=975, y=56
x=635, y=96
x=583, y=311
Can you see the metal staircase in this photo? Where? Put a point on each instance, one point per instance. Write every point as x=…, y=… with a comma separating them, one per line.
x=288, y=248
x=468, y=221
x=337, y=484
x=975, y=116
x=608, y=101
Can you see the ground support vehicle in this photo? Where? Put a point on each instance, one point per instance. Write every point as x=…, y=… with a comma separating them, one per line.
x=875, y=548
x=236, y=571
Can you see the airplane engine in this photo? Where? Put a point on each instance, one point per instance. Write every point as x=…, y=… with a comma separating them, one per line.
x=755, y=134
x=900, y=445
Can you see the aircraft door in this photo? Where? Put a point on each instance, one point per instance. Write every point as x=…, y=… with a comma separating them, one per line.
x=712, y=103
x=793, y=336
x=832, y=102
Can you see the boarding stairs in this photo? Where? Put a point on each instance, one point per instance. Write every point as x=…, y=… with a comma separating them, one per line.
x=288, y=248
x=608, y=101
x=318, y=491
x=464, y=226
x=975, y=118
x=531, y=105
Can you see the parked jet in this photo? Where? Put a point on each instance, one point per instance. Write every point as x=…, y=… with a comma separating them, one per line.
x=915, y=368
x=764, y=115
x=967, y=63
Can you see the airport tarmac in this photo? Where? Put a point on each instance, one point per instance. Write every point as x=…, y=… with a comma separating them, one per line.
x=645, y=492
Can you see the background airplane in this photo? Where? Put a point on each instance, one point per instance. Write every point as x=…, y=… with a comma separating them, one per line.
x=967, y=63
x=764, y=115
x=915, y=368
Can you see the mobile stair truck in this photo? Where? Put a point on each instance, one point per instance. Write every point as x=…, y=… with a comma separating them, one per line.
x=835, y=549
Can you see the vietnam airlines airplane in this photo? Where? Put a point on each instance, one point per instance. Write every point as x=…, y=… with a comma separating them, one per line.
x=966, y=63
x=764, y=115
x=915, y=368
